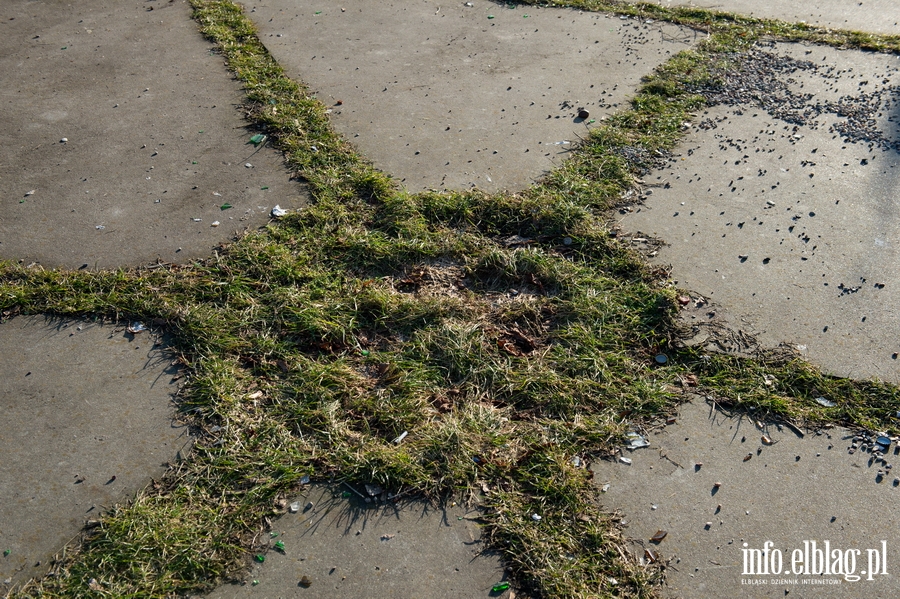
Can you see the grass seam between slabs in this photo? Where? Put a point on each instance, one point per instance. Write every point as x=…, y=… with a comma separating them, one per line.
x=312, y=345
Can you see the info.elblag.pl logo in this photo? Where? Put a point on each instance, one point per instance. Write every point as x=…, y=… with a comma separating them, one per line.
x=814, y=559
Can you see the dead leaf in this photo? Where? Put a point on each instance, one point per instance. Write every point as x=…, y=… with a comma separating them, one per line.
x=689, y=380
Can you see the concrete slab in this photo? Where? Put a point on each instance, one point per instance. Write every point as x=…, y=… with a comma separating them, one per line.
x=345, y=548
x=875, y=16
x=444, y=95
x=791, y=492
x=87, y=421
x=780, y=219
x=155, y=137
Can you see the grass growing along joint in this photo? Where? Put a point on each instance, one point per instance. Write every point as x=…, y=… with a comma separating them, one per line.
x=731, y=28
x=373, y=311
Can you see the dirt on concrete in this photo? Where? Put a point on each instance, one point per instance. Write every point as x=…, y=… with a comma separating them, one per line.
x=462, y=94
x=87, y=421
x=123, y=138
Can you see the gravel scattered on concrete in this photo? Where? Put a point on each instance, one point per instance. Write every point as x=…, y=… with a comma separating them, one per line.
x=779, y=206
x=442, y=97
x=713, y=482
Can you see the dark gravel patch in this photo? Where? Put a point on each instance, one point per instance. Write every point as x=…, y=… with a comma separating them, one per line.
x=760, y=78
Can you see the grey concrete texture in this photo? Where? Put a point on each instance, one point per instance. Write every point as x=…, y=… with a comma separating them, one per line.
x=874, y=16
x=449, y=96
x=156, y=142
x=87, y=421
x=786, y=489
x=790, y=228
x=336, y=547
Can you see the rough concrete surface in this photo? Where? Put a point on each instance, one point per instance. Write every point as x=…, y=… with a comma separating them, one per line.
x=87, y=420
x=444, y=95
x=155, y=137
x=875, y=16
x=346, y=548
x=791, y=228
x=447, y=96
x=788, y=492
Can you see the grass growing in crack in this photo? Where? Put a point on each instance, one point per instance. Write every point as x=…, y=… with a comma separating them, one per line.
x=732, y=28
x=506, y=333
